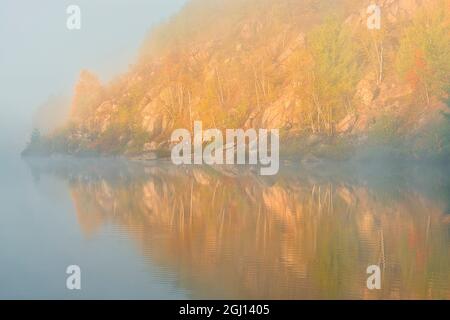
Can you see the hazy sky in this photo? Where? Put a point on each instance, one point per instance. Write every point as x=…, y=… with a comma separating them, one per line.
x=40, y=57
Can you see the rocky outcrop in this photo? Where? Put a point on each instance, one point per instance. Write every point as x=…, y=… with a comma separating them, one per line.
x=246, y=75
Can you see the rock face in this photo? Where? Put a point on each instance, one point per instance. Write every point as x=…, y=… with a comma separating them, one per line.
x=255, y=69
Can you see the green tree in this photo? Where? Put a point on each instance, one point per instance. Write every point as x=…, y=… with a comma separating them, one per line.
x=447, y=127
x=334, y=74
x=35, y=145
x=424, y=55
x=35, y=139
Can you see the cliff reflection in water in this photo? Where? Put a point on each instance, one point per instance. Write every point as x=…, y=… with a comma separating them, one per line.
x=302, y=234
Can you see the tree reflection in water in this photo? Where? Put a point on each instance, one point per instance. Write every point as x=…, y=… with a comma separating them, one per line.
x=304, y=234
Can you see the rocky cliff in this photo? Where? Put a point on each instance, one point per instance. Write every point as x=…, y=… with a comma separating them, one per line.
x=311, y=68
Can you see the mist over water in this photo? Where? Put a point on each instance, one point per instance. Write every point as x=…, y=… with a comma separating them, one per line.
x=157, y=231
x=161, y=231
x=40, y=57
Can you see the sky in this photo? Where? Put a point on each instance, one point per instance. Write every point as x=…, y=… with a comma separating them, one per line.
x=40, y=57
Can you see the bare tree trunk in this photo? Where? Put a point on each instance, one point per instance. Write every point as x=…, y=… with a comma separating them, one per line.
x=190, y=107
x=379, y=50
x=312, y=123
x=318, y=110
x=427, y=94
x=219, y=83
x=381, y=63
x=256, y=88
x=330, y=121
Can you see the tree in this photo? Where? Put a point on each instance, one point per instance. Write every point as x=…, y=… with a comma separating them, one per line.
x=35, y=139
x=424, y=54
x=334, y=74
x=35, y=145
x=447, y=117
x=375, y=43
x=88, y=93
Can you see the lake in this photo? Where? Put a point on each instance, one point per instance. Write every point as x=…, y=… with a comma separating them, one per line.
x=157, y=231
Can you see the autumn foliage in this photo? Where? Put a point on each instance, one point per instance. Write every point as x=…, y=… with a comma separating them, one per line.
x=308, y=68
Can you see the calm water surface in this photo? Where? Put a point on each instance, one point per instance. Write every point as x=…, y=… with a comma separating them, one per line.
x=157, y=231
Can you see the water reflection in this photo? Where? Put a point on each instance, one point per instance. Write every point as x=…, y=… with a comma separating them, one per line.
x=305, y=234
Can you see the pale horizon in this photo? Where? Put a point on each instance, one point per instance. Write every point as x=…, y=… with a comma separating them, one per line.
x=44, y=59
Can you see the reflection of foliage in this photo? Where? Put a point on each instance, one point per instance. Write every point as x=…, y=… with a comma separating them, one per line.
x=271, y=238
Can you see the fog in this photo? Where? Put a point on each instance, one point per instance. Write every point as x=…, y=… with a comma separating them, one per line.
x=41, y=58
